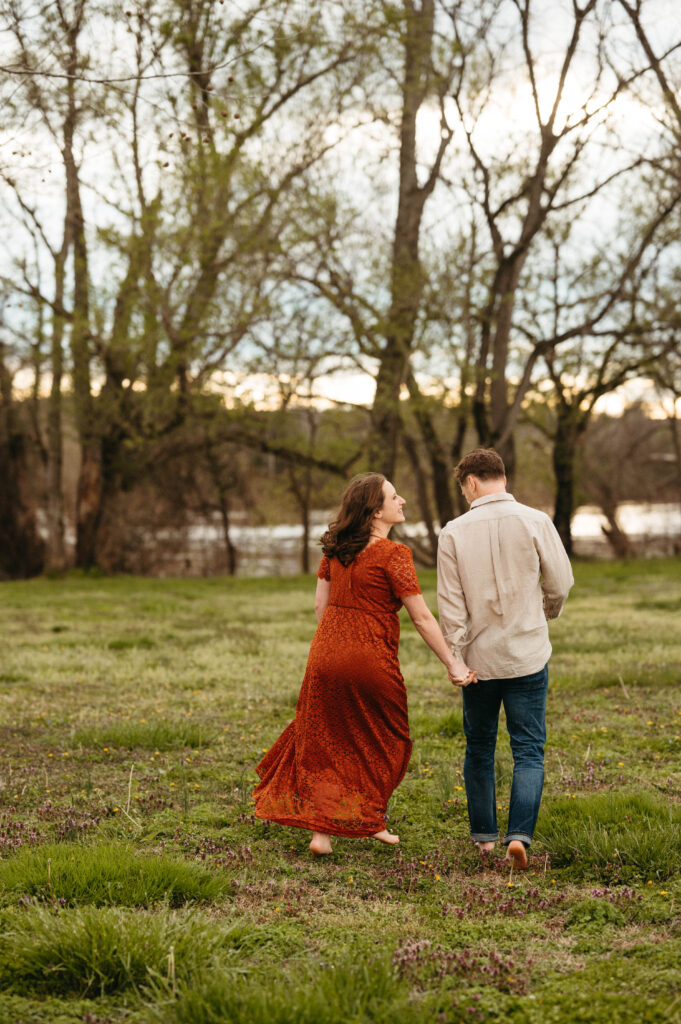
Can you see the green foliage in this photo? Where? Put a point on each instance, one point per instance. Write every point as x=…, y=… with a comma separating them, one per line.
x=594, y=913
x=104, y=875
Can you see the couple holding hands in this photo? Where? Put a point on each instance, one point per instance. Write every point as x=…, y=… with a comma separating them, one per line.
x=502, y=572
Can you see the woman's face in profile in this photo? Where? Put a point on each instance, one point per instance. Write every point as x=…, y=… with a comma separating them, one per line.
x=392, y=507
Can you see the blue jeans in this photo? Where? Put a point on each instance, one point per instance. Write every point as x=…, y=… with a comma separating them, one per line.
x=524, y=700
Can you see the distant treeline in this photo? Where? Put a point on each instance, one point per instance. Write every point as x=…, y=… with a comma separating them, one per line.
x=253, y=468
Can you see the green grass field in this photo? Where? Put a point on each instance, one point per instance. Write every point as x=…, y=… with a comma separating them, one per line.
x=135, y=884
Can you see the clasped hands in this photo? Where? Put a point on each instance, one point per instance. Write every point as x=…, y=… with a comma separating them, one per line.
x=460, y=674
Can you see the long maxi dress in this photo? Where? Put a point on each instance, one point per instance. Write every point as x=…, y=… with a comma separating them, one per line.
x=335, y=765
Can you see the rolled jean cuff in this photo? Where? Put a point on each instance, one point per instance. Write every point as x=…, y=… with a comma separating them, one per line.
x=484, y=837
x=522, y=836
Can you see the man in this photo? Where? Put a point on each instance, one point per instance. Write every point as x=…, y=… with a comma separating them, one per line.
x=502, y=572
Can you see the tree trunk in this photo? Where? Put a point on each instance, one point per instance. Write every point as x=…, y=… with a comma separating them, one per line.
x=564, y=452
x=440, y=472
x=223, y=503
x=616, y=537
x=406, y=286
x=21, y=549
x=675, y=429
x=385, y=414
x=456, y=454
x=422, y=492
x=229, y=543
x=55, y=560
x=305, y=543
x=89, y=504
x=302, y=492
x=90, y=484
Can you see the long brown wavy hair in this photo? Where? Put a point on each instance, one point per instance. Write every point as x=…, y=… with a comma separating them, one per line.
x=349, y=533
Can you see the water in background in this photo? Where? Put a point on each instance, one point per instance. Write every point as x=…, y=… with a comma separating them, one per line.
x=654, y=529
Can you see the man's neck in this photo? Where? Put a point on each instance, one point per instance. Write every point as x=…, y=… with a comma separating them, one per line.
x=493, y=487
x=482, y=488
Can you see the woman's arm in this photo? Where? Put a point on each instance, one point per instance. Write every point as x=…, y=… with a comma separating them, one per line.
x=321, y=597
x=427, y=626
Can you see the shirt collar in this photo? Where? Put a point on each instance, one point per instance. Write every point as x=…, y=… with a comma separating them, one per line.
x=501, y=496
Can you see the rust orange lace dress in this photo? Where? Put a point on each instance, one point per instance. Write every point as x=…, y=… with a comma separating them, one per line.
x=335, y=765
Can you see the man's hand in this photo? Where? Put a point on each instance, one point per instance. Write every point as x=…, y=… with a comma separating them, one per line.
x=460, y=674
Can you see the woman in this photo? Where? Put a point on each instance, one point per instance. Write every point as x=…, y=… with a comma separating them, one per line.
x=334, y=767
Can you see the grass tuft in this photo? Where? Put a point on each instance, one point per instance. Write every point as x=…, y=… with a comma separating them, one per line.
x=362, y=990
x=105, y=875
x=159, y=735
x=452, y=724
x=93, y=952
x=617, y=836
x=130, y=642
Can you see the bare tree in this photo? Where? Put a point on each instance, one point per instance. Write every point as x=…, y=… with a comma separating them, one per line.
x=187, y=219
x=621, y=462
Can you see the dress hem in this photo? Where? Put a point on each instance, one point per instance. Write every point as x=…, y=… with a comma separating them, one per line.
x=326, y=828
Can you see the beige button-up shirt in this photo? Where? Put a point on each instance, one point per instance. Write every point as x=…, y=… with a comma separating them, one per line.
x=502, y=572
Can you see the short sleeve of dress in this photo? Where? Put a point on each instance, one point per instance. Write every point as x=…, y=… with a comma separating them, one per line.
x=401, y=572
x=324, y=570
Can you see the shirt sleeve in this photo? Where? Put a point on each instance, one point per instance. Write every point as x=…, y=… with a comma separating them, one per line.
x=451, y=601
x=556, y=570
x=401, y=572
x=324, y=570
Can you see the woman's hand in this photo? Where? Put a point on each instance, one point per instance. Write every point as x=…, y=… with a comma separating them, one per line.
x=426, y=624
x=460, y=674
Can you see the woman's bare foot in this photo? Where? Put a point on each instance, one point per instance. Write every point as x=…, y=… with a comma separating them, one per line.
x=386, y=837
x=321, y=843
x=485, y=848
x=517, y=854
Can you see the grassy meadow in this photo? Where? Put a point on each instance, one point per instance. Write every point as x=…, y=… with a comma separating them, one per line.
x=135, y=884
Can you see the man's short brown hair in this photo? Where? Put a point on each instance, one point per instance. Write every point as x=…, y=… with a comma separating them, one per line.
x=484, y=463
